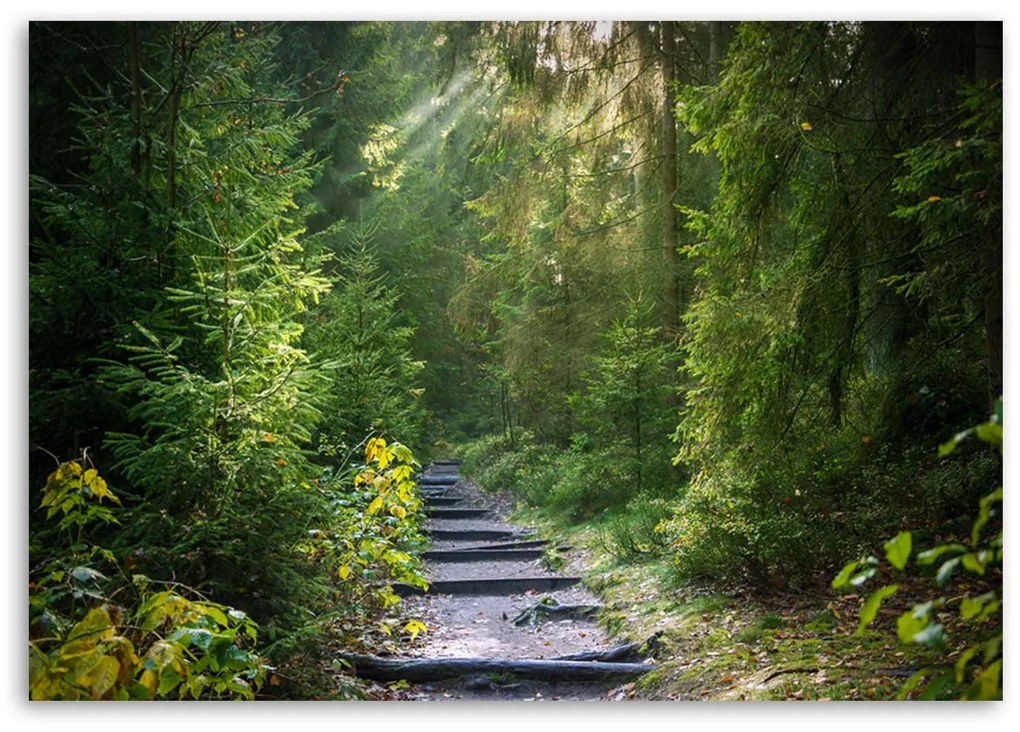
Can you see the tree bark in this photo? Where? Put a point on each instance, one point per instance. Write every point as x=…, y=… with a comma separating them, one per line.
x=671, y=260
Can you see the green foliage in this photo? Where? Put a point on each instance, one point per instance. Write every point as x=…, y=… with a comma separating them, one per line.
x=371, y=534
x=625, y=406
x=977, y=672
x=806, y=366
x=99, y=637
x=358, y=334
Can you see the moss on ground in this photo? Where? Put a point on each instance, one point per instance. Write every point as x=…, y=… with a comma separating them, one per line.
x=728, y=642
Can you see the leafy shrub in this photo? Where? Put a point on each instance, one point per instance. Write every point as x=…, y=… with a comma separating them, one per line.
x=977, y=671
x=372, y=533
x=99, y=637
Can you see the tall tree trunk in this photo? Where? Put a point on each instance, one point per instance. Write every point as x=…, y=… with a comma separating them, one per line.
x=671, y=263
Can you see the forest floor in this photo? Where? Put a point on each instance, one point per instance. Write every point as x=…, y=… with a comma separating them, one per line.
x=715, y=642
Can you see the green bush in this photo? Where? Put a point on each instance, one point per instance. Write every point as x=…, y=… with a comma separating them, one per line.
x=976, y=672
x=100, y=636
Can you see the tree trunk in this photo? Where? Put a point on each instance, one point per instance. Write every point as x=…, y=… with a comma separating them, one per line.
x=671, y=263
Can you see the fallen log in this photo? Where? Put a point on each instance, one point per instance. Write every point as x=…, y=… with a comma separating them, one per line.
x=499, y=586
x=618, y=653
x=420, y=670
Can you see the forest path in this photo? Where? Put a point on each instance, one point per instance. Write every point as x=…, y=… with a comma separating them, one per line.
x=485, y=574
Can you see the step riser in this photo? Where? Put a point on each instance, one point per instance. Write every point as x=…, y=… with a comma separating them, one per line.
x=483, y=555
x=472, y=535
x=509, y=586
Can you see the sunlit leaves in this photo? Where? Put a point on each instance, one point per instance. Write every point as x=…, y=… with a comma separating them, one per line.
x=897, y=549
x=872, y=605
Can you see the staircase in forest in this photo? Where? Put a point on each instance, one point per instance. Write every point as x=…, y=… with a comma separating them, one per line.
x=501, y=624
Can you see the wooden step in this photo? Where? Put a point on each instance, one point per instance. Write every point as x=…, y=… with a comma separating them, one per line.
x=530, y=544
x=495, y=586
x=472, y=534
x=482, y=555
x=450, y=479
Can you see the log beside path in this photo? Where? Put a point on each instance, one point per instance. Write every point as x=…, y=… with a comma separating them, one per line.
x=432, y=669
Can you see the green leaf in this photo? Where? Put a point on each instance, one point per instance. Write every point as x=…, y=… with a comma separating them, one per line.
x=946, y=571
x=872, y=604
x=911, y=684
x=897, y=549
x=970, y=607
x=947, y=447
x=937, y=686
x=985, y=512
x=932, y=636
x=987, y=686
x=168, y=681
x=992, y=648
x=216, y=614
x=929, y=556
x=908, y=625
x=843, y=578
x=974, y=562
x=991, y=433
x=961, y=663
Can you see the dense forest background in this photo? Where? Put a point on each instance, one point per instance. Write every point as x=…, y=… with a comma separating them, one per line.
x=723, y=287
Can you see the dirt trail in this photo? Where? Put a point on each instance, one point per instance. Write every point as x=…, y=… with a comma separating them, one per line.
x=482, y=625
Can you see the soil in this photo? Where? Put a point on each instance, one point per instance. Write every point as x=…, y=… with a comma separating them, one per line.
x=483, y=625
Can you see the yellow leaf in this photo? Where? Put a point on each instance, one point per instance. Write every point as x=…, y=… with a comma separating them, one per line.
x=398, y=511
x=933, y=199
x=414, y=627
x=103, y=676
x=374, y=446
x=375, y=506
x=344, y=572
x=806, y=126
x=268, y=437
x=401, y=473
